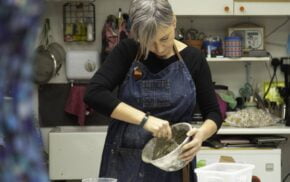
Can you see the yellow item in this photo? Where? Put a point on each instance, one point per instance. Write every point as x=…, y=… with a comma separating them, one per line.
x=273, y=94
x=69, y=29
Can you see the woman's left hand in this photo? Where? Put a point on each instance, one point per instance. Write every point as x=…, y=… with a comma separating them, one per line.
x=190, y=149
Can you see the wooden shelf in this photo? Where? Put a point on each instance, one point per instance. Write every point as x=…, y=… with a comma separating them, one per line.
x=279, y=129
x=242, y=59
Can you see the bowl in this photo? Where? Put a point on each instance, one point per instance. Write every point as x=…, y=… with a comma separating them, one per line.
x=164, y=153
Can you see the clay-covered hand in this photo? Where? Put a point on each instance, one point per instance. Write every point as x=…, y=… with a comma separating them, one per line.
x=158, y=127
x=190, y=149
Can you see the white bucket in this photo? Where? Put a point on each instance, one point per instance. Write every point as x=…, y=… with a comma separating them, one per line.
x=225, y=172
x=99, y=180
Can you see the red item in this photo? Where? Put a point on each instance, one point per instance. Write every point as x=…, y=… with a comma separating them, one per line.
x=75, y=104
x=222, y=105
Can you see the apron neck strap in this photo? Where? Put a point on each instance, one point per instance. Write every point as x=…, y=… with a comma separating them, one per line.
x=177, y=52
x=139, y=56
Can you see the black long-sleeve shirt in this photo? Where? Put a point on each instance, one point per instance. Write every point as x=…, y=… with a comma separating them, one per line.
x=112, y=73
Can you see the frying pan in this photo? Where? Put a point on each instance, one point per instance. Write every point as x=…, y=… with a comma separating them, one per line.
x=47, y=62
x=48, y=59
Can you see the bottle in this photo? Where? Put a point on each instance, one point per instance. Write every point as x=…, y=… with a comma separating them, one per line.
x=83, y=36
x=77, y=31
x=120, y=22
x=90, y=32
x=208, y=51
x=120, y=18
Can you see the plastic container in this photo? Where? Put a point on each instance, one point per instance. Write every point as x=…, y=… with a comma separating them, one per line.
x=170, y=161
x=99, y=180
x=233, y=47
x=213, y=47
x=225, y=172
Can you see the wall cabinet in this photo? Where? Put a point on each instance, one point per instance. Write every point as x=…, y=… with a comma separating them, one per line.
x=262, y=7
x=231, y=7
x=204, y=7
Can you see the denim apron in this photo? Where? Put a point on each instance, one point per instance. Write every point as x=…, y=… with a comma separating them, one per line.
x=169, y=94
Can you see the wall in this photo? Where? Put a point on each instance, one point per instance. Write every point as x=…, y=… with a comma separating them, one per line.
x=53, y=10
x=275, y=44
x=232, y=74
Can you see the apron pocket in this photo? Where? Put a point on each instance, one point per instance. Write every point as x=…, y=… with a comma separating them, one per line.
x=155, y=94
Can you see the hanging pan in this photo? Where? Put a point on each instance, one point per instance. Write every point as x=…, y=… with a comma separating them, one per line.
x=49, y=57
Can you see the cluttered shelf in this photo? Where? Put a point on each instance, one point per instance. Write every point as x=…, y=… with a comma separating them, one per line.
x=240, y=59
x=275, y=129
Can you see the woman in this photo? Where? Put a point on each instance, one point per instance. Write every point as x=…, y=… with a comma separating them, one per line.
x=158, y=75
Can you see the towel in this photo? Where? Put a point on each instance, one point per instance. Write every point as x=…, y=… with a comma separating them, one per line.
x=75, y=104
x=222, y=106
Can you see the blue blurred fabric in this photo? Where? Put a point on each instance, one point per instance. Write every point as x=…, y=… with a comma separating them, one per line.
x=21, y=156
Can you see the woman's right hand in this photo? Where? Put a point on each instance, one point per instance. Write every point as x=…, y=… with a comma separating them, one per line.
x=158, y=127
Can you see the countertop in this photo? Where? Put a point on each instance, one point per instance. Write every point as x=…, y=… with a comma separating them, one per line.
x=275, y=129
x=280, y=129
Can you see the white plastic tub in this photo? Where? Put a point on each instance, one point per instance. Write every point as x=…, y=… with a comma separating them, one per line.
x=225, y=172
x=99, y=180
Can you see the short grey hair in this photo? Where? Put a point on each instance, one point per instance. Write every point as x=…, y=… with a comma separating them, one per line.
x=146, y=16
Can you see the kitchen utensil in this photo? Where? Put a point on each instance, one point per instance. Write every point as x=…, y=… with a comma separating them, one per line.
x=43, y=65
x=247, y=90
x=260, y=102
x=59, y=54
x=163, y=153
x=49, y=57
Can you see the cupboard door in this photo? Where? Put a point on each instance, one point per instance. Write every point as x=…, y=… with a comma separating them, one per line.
x=262, y=7
x=202, y=7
